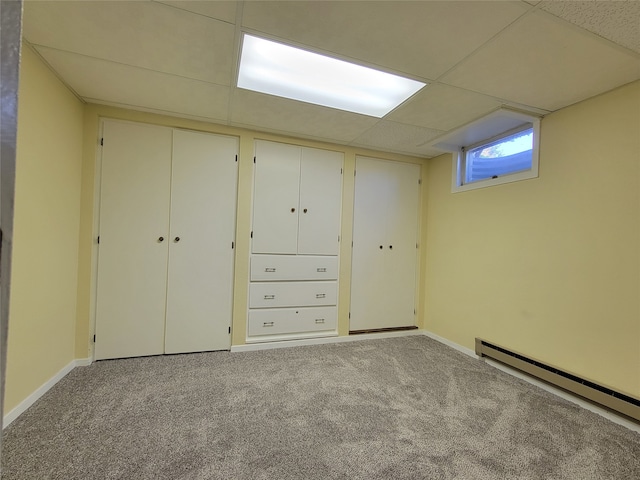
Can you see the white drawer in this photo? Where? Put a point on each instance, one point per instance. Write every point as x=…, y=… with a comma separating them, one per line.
x=292, y=294
x=278, y=321
x=293, y=267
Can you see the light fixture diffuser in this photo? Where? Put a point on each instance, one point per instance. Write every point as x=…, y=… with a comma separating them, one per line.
x=277, y=69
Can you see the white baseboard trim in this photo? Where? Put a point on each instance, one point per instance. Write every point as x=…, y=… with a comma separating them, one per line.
x=323, y=340
x=31, y=399
x=451, y=344
x=609, y=415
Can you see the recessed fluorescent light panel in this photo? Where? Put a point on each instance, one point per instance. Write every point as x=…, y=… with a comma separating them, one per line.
x=277, y=69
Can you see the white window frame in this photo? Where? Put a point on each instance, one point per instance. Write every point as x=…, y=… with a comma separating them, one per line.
x=459, y=162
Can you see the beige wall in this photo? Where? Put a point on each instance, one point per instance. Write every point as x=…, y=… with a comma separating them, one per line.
x=548, y=267
x=47, y=219
x=89, y=226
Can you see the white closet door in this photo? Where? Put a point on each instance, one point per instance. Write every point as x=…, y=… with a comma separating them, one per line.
x=132, y=260
x=275, y=203
x=384, y=244
x=203, y=215
x=320, y=202
x=402, y=235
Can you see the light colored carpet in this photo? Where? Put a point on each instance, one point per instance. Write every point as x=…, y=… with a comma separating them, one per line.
x=397, y=408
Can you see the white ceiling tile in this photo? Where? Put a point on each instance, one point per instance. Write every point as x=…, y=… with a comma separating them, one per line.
x=443, y=107
x=219, y=9
x=545, y=62
x=116, y=83
x=617, y=21
x=276, y=114
x=398, y=137
x=145, y=34
x=424, y=39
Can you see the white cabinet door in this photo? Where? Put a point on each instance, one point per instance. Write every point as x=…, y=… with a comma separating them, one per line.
x=276, y=198
x=320, y=202
x=203, y=214
x=384, y=255
x=132, y=260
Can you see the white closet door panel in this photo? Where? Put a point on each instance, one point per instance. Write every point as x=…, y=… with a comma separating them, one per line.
x=203, y=214
x=369, y=245
x=132, y=261
x=277, y=321
x=384, y=253
x=292, y=294
x=276, y=195
x=402, y=235
x=320, y=201
x=290, y=267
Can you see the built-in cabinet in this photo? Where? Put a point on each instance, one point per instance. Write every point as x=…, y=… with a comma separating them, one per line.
x=166, y=240
x=385, y=242
x=297, y=204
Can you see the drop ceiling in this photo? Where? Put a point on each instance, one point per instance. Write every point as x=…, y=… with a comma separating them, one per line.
x=181, y=57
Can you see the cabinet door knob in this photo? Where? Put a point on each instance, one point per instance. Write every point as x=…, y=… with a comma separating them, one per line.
x=293, y=210
x=380, y=247
x=390, y=247
x=177, y=239
x=305, y=210
x=161, y=239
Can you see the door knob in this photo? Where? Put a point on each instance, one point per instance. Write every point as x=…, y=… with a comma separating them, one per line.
x=177, y=239
x=380, y=247
x=390, y=247
x=293, y=210
x=161, y=239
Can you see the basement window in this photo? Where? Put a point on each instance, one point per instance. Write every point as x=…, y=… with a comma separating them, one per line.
x=501, y=147
x=509, y=154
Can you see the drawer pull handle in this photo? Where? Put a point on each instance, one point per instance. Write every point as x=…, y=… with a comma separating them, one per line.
x=321, y=295
x=270, y=269
x=321, y=269
x=269, y=297
x=319, y=320
x=267, y=324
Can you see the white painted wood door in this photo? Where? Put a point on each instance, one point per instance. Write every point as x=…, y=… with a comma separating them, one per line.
x=134, y=231
x=320, y=202
x=384, y=257
x=276, y=198
x=203, y=218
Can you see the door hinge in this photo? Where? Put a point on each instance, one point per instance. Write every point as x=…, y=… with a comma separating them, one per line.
x=98, y=239
x=236, y=158
x=340, y=171
x=251, y=233
x=419, y=181
x=233, y=244
x=414, y=311
x=94, y=339
x=349, y=314
x=102, y=141
x=229, y=330
x=254, y=159
x=351, y=244
x=354, y=173
x=338, y=238
x=417, y=246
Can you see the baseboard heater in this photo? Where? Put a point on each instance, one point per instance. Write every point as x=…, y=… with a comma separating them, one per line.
x=619, y=402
